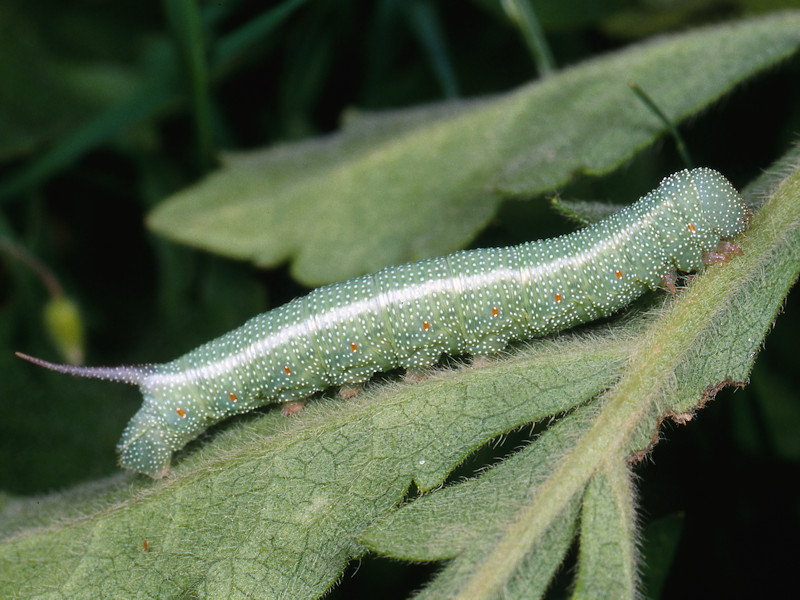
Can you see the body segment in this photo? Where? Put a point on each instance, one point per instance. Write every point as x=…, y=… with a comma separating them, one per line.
x=470, y=302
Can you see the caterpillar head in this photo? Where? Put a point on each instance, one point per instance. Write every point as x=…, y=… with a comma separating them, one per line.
x=147, y=444
x=171, y=415
x=721, y=207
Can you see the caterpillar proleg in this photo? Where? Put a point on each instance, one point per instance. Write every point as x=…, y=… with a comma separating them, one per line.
x=470, y=302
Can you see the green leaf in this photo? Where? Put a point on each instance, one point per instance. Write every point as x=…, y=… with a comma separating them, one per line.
x=465, y=520
x=277, y=508
x=607, y=561
x=424, y=183
x=260, y=513
x=583, y=212
x=433, y=526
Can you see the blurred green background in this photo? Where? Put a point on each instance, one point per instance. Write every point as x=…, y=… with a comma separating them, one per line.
x=108, y=108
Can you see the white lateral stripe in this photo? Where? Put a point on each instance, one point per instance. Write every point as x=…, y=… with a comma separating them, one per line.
x=347, y=312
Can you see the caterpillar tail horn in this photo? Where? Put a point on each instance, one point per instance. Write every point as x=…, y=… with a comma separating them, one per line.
x=132, y=375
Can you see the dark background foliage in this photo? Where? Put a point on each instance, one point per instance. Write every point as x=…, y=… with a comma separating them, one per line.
x=99, y=121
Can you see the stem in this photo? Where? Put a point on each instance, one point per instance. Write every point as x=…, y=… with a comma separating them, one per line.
x=650, y=103
x=426, y=24
x=42, y=271
x=521, y=13
x=185, y=21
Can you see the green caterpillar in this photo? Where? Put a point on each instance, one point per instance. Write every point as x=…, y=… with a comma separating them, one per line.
x=470, y=302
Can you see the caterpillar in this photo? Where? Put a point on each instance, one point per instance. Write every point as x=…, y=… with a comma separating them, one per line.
x=471, y=302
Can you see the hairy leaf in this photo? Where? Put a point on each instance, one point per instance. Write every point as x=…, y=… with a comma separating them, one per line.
x=422, y=182
x=265, y=513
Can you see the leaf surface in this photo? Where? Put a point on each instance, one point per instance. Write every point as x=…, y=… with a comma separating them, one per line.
x=254, y=499
x=422, y=182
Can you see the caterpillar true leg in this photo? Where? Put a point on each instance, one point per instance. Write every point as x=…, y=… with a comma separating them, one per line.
x=349, y=391
x=668, y=281
x=292, y=408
